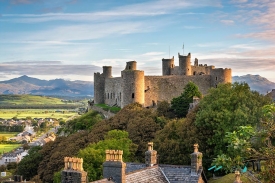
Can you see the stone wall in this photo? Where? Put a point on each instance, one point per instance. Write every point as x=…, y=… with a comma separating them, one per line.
x=159, y=88
x=106, y=114
x=113, y=91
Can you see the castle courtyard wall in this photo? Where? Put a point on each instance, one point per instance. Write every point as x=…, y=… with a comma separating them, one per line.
x=113, y=91
x=159, y=88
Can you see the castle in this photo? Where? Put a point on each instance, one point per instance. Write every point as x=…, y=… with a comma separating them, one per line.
x=134, y=86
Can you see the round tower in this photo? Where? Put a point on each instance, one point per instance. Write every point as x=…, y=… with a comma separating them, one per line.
x=132, y=65
x=220, y=75
x=107, y=71
x=185, y=64
x=132, y=87
x=167, y=65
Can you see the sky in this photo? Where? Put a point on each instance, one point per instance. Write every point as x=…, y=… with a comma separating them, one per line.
x=72, y=39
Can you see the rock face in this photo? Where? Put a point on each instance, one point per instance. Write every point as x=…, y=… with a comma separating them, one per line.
x=256, y=82
x=56, y=87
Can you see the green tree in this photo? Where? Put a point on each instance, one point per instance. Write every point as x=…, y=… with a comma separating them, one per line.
x=180, y=105
x=94, y=155
x=223, y=110
x=29, y=164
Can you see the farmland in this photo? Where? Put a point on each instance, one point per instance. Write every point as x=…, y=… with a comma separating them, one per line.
x=36, y=113
x=8, y=147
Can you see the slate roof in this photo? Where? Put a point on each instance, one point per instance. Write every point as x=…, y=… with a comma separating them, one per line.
x=150, y=174
x=139, y=173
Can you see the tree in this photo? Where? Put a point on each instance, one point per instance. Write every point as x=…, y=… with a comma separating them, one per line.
x=223, y=110
x=180, y=105
x=94, y=155
x=29, y=164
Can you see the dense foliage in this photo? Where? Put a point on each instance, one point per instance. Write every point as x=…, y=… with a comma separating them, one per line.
x=84, y=122
x=180, y=105
x=28, y=165
x=15, y=128
x=94, y=154
x=224, y=109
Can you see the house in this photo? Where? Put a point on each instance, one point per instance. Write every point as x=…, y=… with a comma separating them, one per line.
x=116, y=171
x=15, y=156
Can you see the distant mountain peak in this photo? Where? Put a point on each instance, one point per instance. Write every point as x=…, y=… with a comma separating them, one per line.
x=58, y=87
x=256, y=82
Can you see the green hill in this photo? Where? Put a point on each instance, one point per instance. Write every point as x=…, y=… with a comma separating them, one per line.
x=35, y=102
x=28, y=99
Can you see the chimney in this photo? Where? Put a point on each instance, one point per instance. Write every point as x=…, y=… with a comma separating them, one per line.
x=114, y=167
x=196, y=160
x=237, y=177
x=73, y=171
x=150, y=155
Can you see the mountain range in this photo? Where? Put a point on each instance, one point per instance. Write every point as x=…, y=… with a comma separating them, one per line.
x=256, y=82
x=65, y=88
x=56, y=87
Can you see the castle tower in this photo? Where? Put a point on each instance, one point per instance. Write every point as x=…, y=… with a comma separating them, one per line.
x=99, y=84
x=150, y=155
x=132, y=85
x=185, y=64
x=114, y=167
x=132, y=65
x=196, y=62
x=167, y=65
x=107, y=71
x=220, y=75
x=196, y=160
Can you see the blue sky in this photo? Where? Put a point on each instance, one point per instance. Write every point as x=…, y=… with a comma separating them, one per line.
x=72, y=39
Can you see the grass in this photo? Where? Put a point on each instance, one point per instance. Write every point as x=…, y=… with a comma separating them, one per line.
x=36, y=113
x=8, y=134
x=28, y=99
x=229, y=178
x=8, y=147
x=107, y=108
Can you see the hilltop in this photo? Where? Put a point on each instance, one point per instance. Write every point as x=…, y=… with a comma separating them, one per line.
x=56, y=87
x=256, y=82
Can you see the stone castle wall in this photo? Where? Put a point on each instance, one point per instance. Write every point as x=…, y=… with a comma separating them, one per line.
x=113, y=90
x=159, y=88
x=133, y=86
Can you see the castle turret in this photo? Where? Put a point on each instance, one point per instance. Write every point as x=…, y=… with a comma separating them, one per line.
x=220, y=75
x=132, y=65
x=99, y=84
x=132, y=85
x=107, y=71
x=167, y=66
x=185, y=64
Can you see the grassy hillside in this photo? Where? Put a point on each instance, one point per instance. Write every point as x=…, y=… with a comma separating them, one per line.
x=28, y=99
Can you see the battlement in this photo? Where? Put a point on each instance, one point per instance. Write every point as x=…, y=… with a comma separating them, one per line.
x=114, y=155
x=73, y=163
x=135, y=86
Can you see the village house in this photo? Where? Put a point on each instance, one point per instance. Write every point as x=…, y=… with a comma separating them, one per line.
x=116, y=171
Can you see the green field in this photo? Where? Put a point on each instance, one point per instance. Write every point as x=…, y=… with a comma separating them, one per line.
x=36, y=113
x=8, y=147
x=29, y=99
x=8, y=134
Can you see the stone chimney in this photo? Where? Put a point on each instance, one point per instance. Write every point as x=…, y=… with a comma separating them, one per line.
x=114, y=167
x=73, y=171
x=196, y=160
x=237, y=177
x=150, y=155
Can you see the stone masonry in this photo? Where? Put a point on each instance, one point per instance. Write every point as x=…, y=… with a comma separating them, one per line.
x=134, y=86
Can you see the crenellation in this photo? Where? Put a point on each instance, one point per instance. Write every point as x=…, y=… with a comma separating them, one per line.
x=134, y=86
